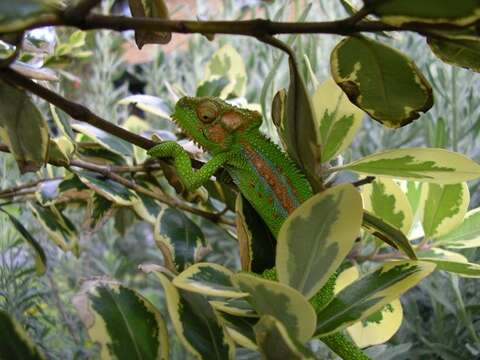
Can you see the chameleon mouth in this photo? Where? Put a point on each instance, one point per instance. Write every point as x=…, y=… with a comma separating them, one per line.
x=185, y=132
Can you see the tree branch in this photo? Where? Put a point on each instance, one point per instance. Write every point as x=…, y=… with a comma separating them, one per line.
x=76, y=111
x=256, y=27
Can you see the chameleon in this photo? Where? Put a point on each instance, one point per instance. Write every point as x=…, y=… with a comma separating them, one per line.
x=270, y=181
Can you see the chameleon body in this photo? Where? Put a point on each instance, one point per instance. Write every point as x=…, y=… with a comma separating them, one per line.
x=265, y=175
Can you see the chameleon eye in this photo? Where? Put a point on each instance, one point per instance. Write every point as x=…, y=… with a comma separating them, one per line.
x=207, y=112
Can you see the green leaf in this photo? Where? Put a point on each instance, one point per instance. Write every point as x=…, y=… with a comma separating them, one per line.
x=61, y=121
x=208, y=279
x=282, y=302
x=381, y=81
x=240, y=329
x=212, y=87
x=196, y=324
x=235, y=307
x=370, y=293
x=156, y=9
x=451, y=262
x=110, y=142
x=18, y=15
x=60, y=151
x=421, y=164
x=275, y=343
x=15, y=341
x=301, y=136
x=97, y=153
x=387, y=233
x=461, y=51
x=151, y=104
x=256, y=242
x=107, y=188
x=339, y=120
x=399, y=12
x=227, y=62
x=183, y=238
x=385, y=199
x=327, y=224
x=40, y=257
x=99, y=209
x=123, y=322
x=445, y=208
x=147, y=208
x=58, y=226
x=466, y=235
x=23, y=128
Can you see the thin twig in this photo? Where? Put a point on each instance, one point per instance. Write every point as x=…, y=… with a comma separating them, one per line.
x=364, y=181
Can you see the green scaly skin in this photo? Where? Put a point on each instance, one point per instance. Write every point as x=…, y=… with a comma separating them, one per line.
x=265, y=175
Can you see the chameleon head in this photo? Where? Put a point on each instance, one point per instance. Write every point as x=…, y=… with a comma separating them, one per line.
x=213, y=123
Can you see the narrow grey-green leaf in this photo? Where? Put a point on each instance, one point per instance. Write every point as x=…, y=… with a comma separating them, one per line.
x=370, y=293
x=123, y=322
x=40, y=257
x=23, y=128
x=16, y=344
x=381, y=81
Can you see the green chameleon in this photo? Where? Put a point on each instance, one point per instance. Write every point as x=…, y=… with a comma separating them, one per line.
x=266, y=176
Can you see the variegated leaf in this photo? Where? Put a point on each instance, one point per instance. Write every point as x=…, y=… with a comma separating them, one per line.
x=227, y=62
x=275, y=343
x=381, y=81
x=58, y=226
x=378, y=327
x=22, y=126
x=208, y=279
x=60, y=151
x=99, y=210
x=445, y=208
x=387, y=233
x=196, y=324
x=466, y=235
x=16, y=344
x=107, y=188
x=420, y=164
x=441, y=254
x=384, y=198
x=256, y=243
x=338, y=119
x=97, y=153
x=151, y=104
x=236, y=307
x=180, y=235
x=399, y=12
x=291, y=308
x=370, y=293
x=459, y=50
x=61, y=121
x=110, y=142
x=465, y=269
x=240, y=329
x=327, y=225
x=147, y=208
x=124, y=323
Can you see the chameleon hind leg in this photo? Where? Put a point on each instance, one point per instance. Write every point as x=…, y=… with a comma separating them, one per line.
x=190, y=177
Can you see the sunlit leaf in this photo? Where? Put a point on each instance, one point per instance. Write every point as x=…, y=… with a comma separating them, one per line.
x=327, y=224
x=381, y=81
x=421, y=164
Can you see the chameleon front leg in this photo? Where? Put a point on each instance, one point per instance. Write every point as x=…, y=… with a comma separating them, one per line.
x=190, y=177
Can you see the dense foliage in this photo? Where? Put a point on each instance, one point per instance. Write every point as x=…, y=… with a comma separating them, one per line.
x=104, y=250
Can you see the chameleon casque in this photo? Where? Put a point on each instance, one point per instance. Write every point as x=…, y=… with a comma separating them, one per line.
x=270, y=181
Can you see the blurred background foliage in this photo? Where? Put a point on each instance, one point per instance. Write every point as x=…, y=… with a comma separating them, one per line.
x=442, y=315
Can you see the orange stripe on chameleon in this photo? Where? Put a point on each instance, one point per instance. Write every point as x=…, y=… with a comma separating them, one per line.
x=264, y=170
